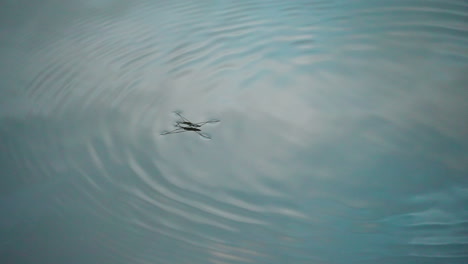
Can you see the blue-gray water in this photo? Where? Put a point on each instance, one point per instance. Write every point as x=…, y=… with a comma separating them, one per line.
x=343, y=136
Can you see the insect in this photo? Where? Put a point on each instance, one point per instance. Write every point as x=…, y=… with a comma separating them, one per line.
x=185, y=125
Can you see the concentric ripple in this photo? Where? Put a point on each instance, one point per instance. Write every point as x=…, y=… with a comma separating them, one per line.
x=343, y=133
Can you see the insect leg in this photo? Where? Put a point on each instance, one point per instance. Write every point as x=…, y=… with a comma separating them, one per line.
x=207, y=122
x=183, y=118
x=203, y=135
x=178, y=130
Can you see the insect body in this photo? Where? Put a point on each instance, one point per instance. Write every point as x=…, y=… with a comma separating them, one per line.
x=190, y=124
x=189, y=128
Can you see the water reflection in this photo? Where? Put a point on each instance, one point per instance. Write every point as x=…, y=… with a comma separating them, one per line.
x=343, y=135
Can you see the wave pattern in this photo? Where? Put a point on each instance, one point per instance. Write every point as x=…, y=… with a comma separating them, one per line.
x=342, y=133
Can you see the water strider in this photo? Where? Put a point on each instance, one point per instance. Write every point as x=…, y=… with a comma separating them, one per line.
x=185, y=125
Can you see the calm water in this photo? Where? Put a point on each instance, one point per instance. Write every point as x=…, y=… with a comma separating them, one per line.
x=343, y=136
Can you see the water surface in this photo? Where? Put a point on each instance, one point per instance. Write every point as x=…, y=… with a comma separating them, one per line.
x=343, y=134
